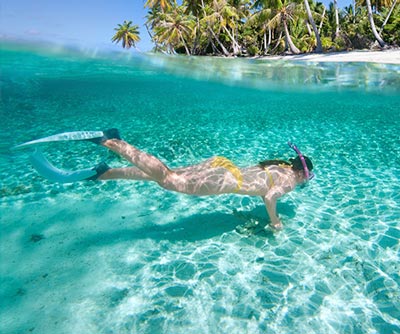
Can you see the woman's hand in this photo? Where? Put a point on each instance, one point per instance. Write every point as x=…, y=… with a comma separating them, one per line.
x=276, y=226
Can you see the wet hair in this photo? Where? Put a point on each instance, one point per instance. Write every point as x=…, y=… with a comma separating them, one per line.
x=297, y=164
x=294, y=163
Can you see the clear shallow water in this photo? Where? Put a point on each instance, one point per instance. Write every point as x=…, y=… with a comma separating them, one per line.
x=128, y=257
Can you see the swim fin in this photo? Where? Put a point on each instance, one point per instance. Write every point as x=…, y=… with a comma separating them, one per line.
x=47, y=170
x=94, y=136
x=108, y=134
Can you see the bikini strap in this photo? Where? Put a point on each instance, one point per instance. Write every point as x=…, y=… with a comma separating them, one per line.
x=271, y=179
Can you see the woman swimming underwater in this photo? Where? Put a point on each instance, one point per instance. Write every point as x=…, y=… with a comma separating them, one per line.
x=269, y=179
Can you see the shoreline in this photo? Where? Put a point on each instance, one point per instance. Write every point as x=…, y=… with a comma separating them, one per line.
x=381, y=57
x=389, y=57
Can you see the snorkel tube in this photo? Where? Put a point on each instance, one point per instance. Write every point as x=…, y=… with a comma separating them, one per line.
x=309, y=175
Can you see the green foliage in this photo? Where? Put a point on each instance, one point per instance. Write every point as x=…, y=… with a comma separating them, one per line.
x=341, y=43
x=253, y=50
x=355, y=29
x=259, y=27
x=391, y=31
x=126, y=34
x=327, y=43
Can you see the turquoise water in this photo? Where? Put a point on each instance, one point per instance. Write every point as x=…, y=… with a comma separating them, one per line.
x=129, y=257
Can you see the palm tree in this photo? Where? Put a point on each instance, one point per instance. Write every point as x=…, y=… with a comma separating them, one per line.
x=175, y=29
x=377, y=5
x=197, y=9
x=193, y=7
x=261, y=26
x=388, y=15
x=337, y=29
x=213, y=22
x=355, y=26
x=321, y=10
x=259, y=20
x=284, y=14
x=226, y=16
x=153, y=19
x=372, y=23
x=156, y=4
x=311, y=20
x=242, y=13
x=126, y=33
x=392, y=27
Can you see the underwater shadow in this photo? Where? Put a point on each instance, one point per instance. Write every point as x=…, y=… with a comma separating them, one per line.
x=194, y=228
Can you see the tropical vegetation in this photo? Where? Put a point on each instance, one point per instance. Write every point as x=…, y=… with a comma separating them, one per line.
x=127, y=34
x=261, y=27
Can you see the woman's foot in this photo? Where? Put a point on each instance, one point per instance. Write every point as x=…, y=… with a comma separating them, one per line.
x=108, y=134
x=100, y=169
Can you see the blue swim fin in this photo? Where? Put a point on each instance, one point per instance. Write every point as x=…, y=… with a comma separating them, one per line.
x=47, y=170
x=96, y=137
x=75, y=135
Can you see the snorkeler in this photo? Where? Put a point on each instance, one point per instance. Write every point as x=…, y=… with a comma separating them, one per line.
x=269, y=179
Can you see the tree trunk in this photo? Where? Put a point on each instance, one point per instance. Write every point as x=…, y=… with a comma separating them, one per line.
x=269, y=37
x=322, y=20
x=292, y=47
x=372, y=23
x=224, y=50
x=184, y=44
x=152, y=39
x=265, y=42
x=238, y=48
x=311, y=20
x=235, y=45
x=336, y=18
x=197, y=37
x=388, y=16
x=214, y=48
x=277, y=43
x=308, y=28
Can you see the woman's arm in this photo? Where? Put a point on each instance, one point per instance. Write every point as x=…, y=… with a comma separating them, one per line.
x=270, y=204
x=286, y=183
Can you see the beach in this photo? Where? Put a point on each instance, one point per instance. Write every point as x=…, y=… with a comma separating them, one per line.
x=391, y=56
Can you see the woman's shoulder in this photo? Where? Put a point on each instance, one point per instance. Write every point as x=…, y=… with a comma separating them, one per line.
x=278, y=167
x=274, y=169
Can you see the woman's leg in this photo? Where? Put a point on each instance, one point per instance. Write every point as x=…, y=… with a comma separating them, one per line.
x=151, y=167
x=200, y=179
x=127, y=173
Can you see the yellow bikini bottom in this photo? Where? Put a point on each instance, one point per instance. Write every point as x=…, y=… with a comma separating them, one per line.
x=231, y=167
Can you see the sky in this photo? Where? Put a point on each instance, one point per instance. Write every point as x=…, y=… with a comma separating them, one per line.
x=87, y=24
x=84, y=23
